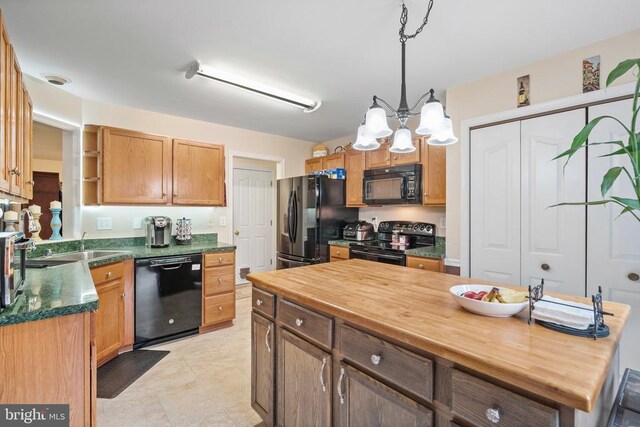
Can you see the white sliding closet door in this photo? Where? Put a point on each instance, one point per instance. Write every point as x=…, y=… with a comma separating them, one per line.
x=613, y=254
x=553, y=239
x=495, y=203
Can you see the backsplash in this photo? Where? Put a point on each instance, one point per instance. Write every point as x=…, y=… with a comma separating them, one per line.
x=124, y=242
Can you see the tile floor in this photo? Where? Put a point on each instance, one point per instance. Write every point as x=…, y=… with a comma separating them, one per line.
x=204, y=381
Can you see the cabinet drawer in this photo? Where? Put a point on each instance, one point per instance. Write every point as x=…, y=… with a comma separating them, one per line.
x=219, y=308
x=339, y=252
x=407, y=370
x=219, y=280
x=314, y=326
x=424, y=263
x=219, y=258
x=474, y=400
x=263, y=302
x=107, y=272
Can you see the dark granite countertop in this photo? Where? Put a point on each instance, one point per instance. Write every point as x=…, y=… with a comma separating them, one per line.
x=68, y=289
x=437, y=252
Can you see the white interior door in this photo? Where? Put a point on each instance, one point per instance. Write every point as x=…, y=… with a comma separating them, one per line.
x=253, y=220
x=613, y=254
x=553, y=239
x=495, y=203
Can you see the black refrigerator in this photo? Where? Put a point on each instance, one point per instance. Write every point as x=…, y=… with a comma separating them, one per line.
x=311, y=211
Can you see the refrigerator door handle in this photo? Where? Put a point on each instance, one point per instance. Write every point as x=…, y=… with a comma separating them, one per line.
x=288, y=220
x=294, y=233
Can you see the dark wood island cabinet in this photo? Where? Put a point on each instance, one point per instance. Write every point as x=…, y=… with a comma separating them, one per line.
x=358, y=343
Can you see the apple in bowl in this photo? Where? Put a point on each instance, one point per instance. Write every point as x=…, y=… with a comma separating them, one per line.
x=490, y=300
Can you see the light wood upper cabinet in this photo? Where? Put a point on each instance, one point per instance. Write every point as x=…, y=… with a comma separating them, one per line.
x=398, y=159
x=15, y=138
x=313, y=165
x=378, y=158
x=198, y=173
x=137, y=167
x=434, y=175
x=333, y=161
x=354, y=163
x=5, y=115
x=27, y=146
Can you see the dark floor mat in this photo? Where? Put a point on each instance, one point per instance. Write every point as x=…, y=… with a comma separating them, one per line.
x=118, y=374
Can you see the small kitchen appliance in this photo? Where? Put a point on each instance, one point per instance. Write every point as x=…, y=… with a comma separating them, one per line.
x=13, y=256
x=183, y=231
x=359, y=231
x=394, y=237
x=158, y=231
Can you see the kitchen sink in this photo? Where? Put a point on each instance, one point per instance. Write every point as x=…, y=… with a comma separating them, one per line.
x=69, y=257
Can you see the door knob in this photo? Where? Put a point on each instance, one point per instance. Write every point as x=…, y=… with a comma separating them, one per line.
x=545, y=267
x=237, y=232
x=633, y=277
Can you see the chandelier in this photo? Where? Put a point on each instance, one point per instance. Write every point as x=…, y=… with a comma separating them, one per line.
x=433, y=119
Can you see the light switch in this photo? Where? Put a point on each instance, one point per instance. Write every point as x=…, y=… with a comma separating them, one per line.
x=137, y=223
x=103, y=223
x=223, y=221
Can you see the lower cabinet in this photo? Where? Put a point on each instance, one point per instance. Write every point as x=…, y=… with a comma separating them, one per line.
x=362, y=401
x=110, y=316
x=304, y=382
x=429, y=264
x=263, y=359
x=218, y=290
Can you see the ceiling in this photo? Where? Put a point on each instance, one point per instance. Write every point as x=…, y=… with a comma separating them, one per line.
x=342, y=52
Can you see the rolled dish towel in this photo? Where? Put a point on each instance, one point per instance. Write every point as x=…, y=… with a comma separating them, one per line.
x=573, y=317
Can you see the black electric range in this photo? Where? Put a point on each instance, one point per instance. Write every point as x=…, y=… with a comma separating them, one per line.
x=412, y=234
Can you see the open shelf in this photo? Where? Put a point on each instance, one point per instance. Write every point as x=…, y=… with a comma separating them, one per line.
x=91, y=165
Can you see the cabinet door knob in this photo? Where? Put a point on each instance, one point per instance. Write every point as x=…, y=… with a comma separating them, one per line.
x=175, y=194
x=258, y=302
x=220, y=280
x=299, y=322
x=164, y=195
x=633, y=277
x=123, y=295
x=337, y=252
x=375, y=359
x=219, y=259
x=220, y=308
x=493, y=415
x=545, y=267
x=109, y=274
x=421, y=267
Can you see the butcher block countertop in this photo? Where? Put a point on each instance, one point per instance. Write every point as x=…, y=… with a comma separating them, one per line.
x=415, y=307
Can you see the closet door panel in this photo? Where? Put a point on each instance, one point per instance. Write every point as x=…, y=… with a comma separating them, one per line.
x=553, y=239
x=613, y=254
x=495, y=203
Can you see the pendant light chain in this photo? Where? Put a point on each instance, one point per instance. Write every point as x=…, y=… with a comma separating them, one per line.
x=403, y=22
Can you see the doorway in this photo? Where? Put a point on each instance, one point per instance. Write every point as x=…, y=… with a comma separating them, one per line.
x=253, y=212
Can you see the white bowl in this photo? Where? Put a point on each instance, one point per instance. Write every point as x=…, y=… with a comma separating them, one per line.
x=491, y=309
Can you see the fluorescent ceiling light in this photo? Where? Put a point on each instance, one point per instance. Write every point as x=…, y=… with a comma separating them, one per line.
x=307, y=105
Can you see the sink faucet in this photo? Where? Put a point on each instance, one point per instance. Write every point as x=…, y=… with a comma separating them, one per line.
x=32, y=223
x=82, y=241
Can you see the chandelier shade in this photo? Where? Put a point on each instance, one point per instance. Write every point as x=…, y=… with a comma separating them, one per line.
x=364, y=143
x=402, y=141
x=444, y=135
x=376, y=125
x=431, y=118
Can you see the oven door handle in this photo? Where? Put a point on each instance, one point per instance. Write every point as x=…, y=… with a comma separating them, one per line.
x=379, y=255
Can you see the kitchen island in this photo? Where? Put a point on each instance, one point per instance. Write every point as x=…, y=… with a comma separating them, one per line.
x=362, y=343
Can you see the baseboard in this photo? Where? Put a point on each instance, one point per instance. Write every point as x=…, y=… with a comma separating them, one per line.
x=452, y=262
x=210, y=328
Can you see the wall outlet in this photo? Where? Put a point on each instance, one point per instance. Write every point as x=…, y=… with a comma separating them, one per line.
x=104, y=223
x=223, y=221
x=137, y=223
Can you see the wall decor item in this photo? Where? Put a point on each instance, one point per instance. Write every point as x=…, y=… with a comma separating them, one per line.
x=591, y=74
x=319, y=150
x=434, y=121
x=523, y=91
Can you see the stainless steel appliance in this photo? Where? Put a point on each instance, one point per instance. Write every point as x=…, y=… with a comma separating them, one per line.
x=168, y=298
x=395, y=185
x=311, y=211
x=183, y=231
x=412, y=234
x=158, y=231
x=13, y=256
x=359, y=231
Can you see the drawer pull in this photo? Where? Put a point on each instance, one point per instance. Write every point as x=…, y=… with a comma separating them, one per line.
x=108, y=274
x=259, y=302
x=493, y=415
x=337, y=252
x=633, y=277
x=375, y=359
x=324, y=365
x=299, y=322
x=340, y=393
x=220, y=308
x=421, y=267
x=219, y=259
x=266, y=339
x=220, y=280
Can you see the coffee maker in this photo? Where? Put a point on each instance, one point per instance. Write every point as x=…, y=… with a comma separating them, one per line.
x=158, y=231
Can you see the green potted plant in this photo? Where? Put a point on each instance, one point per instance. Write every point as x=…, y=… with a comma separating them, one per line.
x=630, y=148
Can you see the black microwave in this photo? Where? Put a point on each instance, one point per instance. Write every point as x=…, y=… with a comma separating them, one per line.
x=396, y=185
